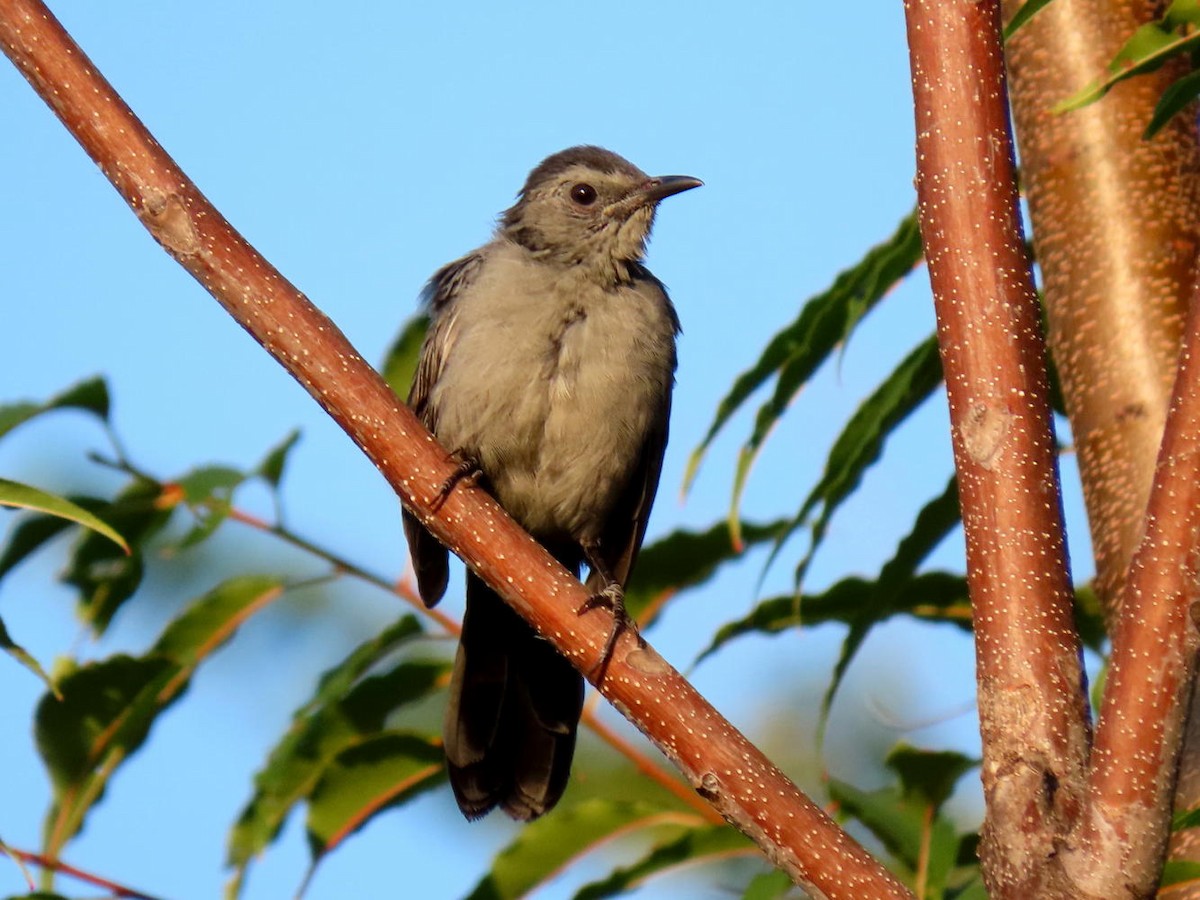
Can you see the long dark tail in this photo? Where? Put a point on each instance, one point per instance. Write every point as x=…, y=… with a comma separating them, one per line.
x=513, y=712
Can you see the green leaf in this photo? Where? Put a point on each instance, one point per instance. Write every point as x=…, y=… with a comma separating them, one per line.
x=974, y=889
x=336, y=683
x=90, y=396
x=862, y=604
x=362, y=781
x=104, y=715
x=861, y=442
x=1089, y=617
x=106, y=576
x=898, y=823
x=75, y=732
x=904, y=825
x=936, y=596
x=542, y=848
x=934, y=522
x=401, y=361
x=21, y=655
x=826, y=321
x=1182, y=14
x=211, y=620
x=108, y=707
x=696, y=845
x=313, y=747
x=31, y=534
x=27, y=497
x=684, y=559
x=210, y=484
x=928, y=776
x=768, y=886
x=1178, y=873
x=272, y=466
x=1185, y=819
x=1098, y=686
x=1146, y=50
x=343, y=711
x=1174, y=100
x=208, y=492
x=968, y=851
x=1021, y=16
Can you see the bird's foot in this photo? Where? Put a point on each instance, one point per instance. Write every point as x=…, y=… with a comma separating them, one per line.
x=467, y=470
x=612, y=598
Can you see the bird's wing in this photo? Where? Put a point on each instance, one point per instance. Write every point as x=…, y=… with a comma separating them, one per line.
x=438, y=296
x=430, y=560
x=626, y=527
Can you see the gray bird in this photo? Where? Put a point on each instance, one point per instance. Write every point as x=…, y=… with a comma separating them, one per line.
x=547, y=370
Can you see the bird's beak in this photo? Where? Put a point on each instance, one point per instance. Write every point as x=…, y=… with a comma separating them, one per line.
x=665, y=185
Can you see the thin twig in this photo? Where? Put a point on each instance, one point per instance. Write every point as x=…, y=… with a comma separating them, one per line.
x=57, y=865
x=397, y=588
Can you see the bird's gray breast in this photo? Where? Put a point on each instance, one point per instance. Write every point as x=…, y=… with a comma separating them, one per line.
x=553, y=384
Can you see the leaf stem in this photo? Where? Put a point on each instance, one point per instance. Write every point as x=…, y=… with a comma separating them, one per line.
x=56, y=865
x=402, y=589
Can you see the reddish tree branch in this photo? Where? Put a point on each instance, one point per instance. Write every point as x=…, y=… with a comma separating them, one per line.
x=1116, y=223
x=1116, y=228
x=57, y=865
x=1032, y=704
x=715, y=758
x=1118, y=848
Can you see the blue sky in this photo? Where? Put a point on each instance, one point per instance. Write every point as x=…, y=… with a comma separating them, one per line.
x=360, y=150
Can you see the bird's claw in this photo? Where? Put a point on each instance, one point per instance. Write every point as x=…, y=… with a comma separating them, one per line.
x=467, y=470
x=612, y=598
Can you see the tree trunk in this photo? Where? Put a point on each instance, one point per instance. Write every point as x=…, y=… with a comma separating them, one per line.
x=1116, y=226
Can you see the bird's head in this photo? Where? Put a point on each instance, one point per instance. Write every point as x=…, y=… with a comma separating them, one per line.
x=587, y=206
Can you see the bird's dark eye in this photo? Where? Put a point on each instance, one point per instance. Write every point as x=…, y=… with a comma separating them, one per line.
x=583, y=194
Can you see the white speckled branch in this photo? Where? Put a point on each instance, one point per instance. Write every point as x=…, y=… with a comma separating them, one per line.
x=1032, y=703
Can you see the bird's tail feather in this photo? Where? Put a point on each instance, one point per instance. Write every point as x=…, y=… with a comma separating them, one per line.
x=512, y=715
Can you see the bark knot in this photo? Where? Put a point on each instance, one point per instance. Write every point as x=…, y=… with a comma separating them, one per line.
x=984, y=430
x=709, y=787
x=166, y=216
